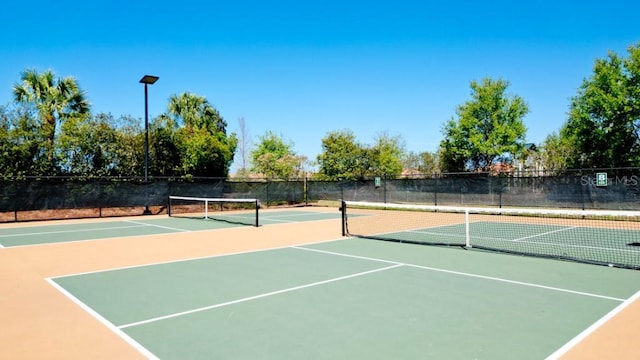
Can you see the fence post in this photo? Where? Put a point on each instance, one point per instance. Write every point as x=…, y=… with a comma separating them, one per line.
x=384, y=178
x=435, y=192
x=343, y=210
x=267, y=191
x=501, y=186
x=305, y=190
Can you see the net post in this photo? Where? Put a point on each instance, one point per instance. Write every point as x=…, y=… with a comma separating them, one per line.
x=257, y=212
x=466, y=228
x=343, y=211
x=206, y=209
x=169, y=207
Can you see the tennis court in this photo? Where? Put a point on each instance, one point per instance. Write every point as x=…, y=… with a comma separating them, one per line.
x=351, y=299
x=150, y=226
x=183, y=288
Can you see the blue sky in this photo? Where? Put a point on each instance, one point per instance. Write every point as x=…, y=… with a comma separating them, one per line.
x=304, y=68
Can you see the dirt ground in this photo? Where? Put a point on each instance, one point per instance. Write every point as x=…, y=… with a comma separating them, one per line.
x=39, y=322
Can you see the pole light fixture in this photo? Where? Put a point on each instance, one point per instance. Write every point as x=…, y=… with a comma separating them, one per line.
x=147, y=80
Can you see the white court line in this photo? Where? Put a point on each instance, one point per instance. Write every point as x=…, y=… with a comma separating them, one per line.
x=591, y=329
x=205, y=308
x=114, y=237
x=188, y=259
x=266, y=217
x=574, y=246
x=459, y=236
x=545, y=233
x=521, y=240
x=307, y=213
x=158, y=226
x=104, y=321
x=71, y=231
x=118, y=330
x=472, y=275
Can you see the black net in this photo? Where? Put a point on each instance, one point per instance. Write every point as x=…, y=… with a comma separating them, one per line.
x=606, y=237
x=232, y=211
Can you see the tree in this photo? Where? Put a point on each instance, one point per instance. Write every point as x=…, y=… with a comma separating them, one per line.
x=202, y=141
x=424, y=162
x=603, y=127
x=489, y=128
x=56, y=100
x=203, y=153
x=273, y=157
x=6, y=165
x=195, y=111
x=129, y=157
x=556, y=153
x=385, y=156
x=244, y=144
x=164, y=153
x=88, y=146
x=23, y=153
x=341, y=157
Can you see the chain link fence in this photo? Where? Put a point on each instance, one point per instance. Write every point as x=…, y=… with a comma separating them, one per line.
x=614, y=189
x=618, y=189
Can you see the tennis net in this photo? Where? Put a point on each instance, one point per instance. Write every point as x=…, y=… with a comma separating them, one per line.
x=609, y=238
x=234, y=211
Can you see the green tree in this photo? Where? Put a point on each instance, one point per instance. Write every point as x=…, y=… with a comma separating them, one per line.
x=6, y=166
x=164, y=153
x=385, y=156
x=202, y=141
x=203, y=153
x=22, y=152
x=341, y=157
x=274, y=157
x=56, y=100
x=603, y=127
x=244, y=147
x=129, y=154
x=195, y=111
x=88, y=146
x=425, y=162
x=489, y=128
x=556, y=153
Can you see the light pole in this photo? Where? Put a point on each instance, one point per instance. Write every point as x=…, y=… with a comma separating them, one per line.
x=147, y=80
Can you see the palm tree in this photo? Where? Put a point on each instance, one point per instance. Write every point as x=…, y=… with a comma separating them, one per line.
x=204, y=146
x=196, y=111
x=56, y=100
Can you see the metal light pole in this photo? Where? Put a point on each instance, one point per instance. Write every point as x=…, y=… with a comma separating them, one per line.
x=147, y=80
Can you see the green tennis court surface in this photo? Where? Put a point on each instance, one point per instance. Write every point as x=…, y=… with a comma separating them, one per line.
x=352, y=299
x=54, y=233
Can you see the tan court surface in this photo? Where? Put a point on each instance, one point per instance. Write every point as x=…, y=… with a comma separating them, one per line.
x=39, y=322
